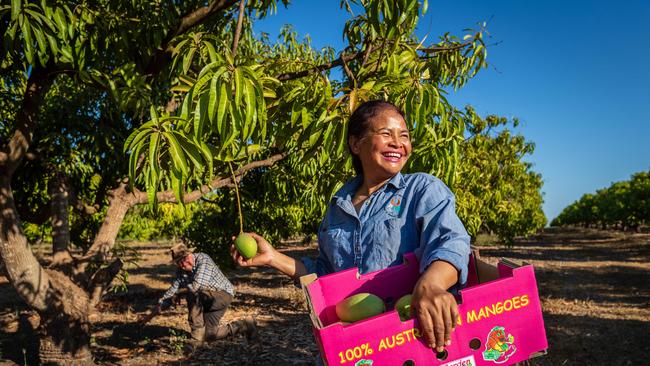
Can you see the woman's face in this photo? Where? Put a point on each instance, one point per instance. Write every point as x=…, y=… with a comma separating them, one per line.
x=385, y=146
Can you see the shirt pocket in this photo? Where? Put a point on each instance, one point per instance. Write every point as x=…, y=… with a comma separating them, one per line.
x=336, y=244
x=386, y=242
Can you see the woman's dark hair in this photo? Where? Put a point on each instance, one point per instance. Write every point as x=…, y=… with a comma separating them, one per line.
x=359, y=124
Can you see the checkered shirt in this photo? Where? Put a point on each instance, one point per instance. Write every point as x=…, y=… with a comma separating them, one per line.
x=205, y=276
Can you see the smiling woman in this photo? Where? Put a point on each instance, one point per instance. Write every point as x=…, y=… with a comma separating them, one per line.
x=379, y=140
x=382, y=214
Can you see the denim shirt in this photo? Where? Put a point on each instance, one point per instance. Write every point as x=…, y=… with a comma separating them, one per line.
x=410, y=213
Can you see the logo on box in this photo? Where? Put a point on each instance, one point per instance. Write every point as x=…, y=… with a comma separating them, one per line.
x=498, y=347
x=363, y=362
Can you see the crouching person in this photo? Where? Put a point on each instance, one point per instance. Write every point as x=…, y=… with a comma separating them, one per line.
x=208, y=293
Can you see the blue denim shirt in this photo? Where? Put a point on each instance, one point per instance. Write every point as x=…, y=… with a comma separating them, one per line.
x=410, y=213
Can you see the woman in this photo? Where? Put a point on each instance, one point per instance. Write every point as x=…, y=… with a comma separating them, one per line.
x=380, y=215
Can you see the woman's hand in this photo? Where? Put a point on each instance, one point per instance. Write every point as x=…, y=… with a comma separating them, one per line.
x=436, y=309
x=265, y=253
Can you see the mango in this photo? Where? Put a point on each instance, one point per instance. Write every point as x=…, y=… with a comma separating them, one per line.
x=403, y=307
x=360, y=306
x=246, y=245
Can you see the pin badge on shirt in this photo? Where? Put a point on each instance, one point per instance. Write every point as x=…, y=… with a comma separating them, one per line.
x=395, y=205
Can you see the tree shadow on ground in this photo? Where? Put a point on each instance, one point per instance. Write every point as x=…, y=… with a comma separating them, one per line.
x=611, y=284
x=20, y=346
x=592, y=341
x=282, y=341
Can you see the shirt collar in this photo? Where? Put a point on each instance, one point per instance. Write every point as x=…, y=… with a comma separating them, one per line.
x=397, y=181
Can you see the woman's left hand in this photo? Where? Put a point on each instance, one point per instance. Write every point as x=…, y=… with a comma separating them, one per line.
x=436, y=308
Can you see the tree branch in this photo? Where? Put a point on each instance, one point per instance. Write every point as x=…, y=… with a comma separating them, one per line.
x=83, y=207
x=102, y=279
x=12, y=153
x=438, y=49
x=162, y=55
x=219, y=182
x=322, y=67
x=240, y=20
x=349, y=57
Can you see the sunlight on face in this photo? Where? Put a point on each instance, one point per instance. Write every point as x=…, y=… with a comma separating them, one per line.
x=187, y=263
x=385, y=147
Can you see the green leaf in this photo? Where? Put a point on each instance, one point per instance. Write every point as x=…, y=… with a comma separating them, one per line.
x=249, y=150
x=29, y=48
x=15, y=9
x=60, y=19
x=249, y=96
x=154, y=172
x=40, y=40
x=222, y=108
x=192, y=151
x=177, y=184
x=239, y=86
x=205, y=75
x=306, y=117
x=212, y=53
x=200, y=115
x=133, y=162
x=187, y=60
x=342, y=140
x=136, y=138
x=176, y=154
x=187, y=103
x=207, y=156
x=213, y=99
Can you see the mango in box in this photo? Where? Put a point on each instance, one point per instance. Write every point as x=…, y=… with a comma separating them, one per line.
x=403, y=307
x=360, y=306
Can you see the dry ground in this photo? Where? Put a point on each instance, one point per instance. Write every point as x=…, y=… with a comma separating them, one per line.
x=594, y=286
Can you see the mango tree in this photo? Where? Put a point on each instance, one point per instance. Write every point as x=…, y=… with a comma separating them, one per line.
x=124, y=50
x=200, y=92
x=623, y=206
x=496, y=190
x=269, y=99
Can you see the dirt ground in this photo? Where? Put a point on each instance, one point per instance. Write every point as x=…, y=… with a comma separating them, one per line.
x=594, y=287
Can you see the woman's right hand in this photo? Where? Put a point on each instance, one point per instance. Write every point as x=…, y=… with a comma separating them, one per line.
x=264, y=257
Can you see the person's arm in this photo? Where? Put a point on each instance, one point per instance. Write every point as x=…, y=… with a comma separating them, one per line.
x=166, y=299
x=434, y=306
x=268, y=256
x=444, y=245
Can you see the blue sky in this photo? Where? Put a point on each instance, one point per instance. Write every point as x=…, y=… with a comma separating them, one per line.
x=576, y=74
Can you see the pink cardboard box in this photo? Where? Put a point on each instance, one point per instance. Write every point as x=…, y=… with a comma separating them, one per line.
x=500, y=318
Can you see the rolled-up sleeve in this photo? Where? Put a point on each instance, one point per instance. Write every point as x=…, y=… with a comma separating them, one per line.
x=319, y=265
x=442, y=235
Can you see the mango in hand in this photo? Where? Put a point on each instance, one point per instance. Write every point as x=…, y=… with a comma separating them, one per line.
x=246, y=245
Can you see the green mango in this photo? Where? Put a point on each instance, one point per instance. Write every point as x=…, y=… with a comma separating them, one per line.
x=403, y=307
x=246, y=245
x=360, y=306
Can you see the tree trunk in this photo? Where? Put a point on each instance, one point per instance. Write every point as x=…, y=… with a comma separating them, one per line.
x=63, y=307
x=52, y=295
x=65, y=329
x=119, y=204
x=59, y=194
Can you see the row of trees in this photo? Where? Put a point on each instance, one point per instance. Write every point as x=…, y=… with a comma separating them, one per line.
x=622, y=206
x=185, y=91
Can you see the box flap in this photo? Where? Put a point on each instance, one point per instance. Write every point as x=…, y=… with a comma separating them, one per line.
x=304, y=282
